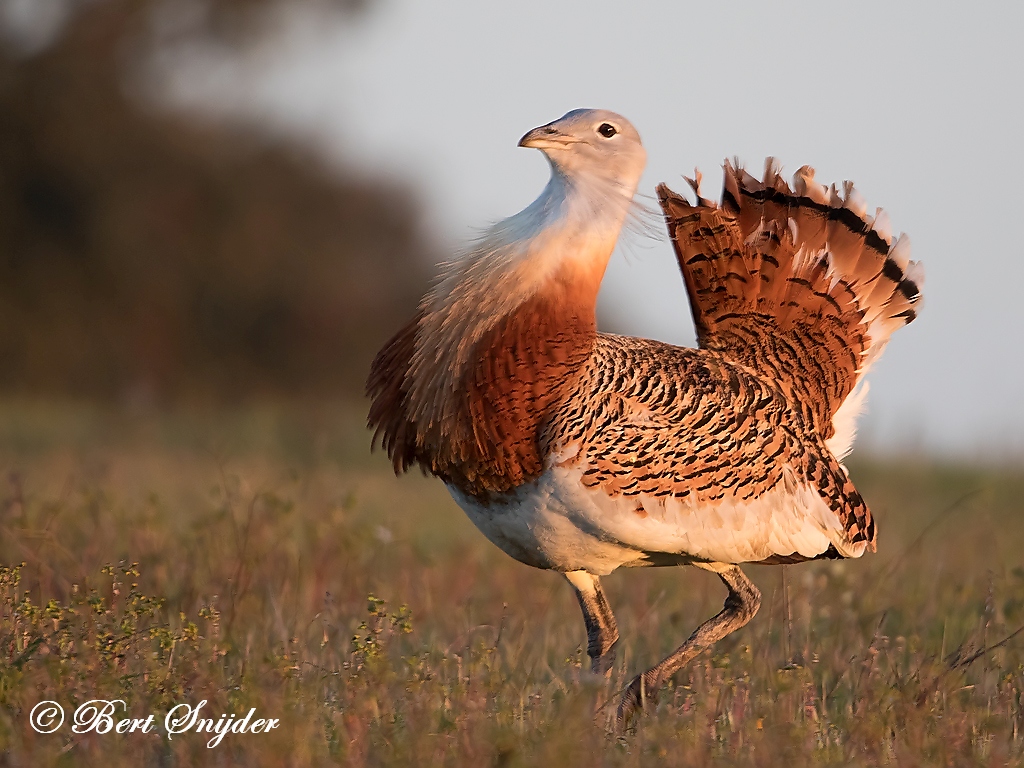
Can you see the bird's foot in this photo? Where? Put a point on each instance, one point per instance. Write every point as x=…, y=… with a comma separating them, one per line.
x=641, y=694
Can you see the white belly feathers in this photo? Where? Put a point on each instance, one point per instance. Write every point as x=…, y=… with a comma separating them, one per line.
x=556, y=522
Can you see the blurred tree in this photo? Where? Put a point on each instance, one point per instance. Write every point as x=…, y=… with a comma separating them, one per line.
x=145, y=254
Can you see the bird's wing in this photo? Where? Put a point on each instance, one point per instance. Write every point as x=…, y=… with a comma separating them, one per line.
x=797, y=284
x=653, y=421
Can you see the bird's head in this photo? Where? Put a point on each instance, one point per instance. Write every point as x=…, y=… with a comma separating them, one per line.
x=592, y=142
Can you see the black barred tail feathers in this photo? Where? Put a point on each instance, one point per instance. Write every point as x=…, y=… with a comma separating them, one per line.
x=799, y=283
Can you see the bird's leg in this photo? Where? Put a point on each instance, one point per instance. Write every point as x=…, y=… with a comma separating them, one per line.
x=602, y=634
x=740, y=606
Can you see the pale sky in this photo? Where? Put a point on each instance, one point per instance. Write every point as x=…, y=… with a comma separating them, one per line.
x=919, y=103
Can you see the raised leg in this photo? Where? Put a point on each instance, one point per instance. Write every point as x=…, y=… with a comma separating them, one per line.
x=740, y=607
x=602, y=634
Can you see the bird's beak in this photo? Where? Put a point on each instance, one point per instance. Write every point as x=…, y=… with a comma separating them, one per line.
x=546, y=137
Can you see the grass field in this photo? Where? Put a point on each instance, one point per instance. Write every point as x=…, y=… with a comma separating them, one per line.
x=261, y=558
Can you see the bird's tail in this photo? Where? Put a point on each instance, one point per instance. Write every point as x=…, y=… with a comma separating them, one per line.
x=798, y=281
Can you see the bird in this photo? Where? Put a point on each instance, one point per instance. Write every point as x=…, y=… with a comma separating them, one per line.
x=582, y=452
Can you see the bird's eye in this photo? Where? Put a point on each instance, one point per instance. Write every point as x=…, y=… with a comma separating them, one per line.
x=607, y=130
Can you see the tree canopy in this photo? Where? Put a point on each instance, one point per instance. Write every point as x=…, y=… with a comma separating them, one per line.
x=148, y=253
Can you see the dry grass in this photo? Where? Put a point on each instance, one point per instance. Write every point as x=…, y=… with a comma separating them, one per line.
x=280, y=567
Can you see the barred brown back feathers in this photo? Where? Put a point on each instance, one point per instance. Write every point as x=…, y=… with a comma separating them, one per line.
x=796, y=283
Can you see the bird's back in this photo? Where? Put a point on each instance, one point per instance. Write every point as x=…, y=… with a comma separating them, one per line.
x=700, y=456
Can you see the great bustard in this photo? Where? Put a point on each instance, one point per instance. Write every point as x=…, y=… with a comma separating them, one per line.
x=581, y=452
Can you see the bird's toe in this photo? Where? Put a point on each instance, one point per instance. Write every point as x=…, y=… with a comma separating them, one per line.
x=639, y=695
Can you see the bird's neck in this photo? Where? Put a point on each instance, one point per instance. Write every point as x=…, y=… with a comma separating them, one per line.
x=575, y=221
x=554, y=252
x=506, y=328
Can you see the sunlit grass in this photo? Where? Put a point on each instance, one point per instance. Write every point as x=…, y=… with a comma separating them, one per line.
x=259, y=558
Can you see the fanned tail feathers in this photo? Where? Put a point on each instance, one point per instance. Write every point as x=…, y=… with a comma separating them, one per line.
x=800, y=283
